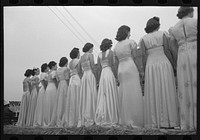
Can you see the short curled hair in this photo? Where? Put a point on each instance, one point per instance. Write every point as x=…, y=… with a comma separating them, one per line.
x=74, y=53
x=105, y=44
x=34, y=71
x=28, y=73
x=63, y=61
x=152, y=24
x=44, y=67
x=184, y=11
x=87, y=47
x=51, y=64
x=122, y=33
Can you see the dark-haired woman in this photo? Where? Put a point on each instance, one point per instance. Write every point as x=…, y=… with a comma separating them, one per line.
x=62, y=76
x=25, y=99
x=38, y=118
x=88, y=91
x=70, y=117
x=107, y=100
x=130, y=92
x=33, y=98
x=50, y=94
x=160, y=98
x=184, y=42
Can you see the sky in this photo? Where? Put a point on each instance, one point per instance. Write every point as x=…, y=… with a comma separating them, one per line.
x=36, y=35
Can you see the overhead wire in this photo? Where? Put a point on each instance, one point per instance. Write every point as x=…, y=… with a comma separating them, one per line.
x=81, y=27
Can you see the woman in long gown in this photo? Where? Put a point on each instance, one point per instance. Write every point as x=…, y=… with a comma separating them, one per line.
x=130, y=93
x=160, y=98
x=25, y=99
x=33, y=97
x=70, y=117
x=50, y=94
x=184, y=38
x=62, y=76
x=107, y=100
x=88, y=91
x=38, y=118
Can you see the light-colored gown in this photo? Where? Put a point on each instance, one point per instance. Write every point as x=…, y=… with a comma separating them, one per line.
x=70, y=117
x=130, y=92
x=38, y=118
x=33, y=100
x=185, y=35
x=24, y=103
x=88, y=94
x=107, y=101
x=49, y=98
x=160, y=98
x=62, y=75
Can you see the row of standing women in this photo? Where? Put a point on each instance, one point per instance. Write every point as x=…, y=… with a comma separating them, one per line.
x=74, y=99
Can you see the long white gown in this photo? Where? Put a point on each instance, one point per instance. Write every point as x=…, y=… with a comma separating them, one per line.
x=70, y=117
x=185, y=34
x=88, y=95
x=107, y=113
x=38, y=118
x=62, y=75
x=160, y=98
x=49, y=98
x=33, y=101
x=24, y=103
x=130, y=92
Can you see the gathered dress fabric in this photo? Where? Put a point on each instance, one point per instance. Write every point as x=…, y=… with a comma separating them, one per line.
x=38, y=118
x=24, y=103
x=88, y=94
x=70, y=117
x=130, y=92
x=184, y=33
x=160, y=97
x=107, y=113
x=49, y=98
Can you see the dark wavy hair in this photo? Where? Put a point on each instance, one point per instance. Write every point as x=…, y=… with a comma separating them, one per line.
x=63, y=61
x=122, y=32
x=28, y=72
x=34, y=71
x=87, y=47
x=152, y=24
x=105, y=44
x=74, y=53
x=44, y=67
x=51, y=64
x=184, y=11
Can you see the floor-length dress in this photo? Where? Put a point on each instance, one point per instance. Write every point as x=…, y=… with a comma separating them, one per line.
x=24, y=103
x=185, y=34
x=88, y=94
x=62, y=75
x=70, y=117
x=33, y=100
x=49, y=98
x=107, y=100
x=160, y=98
x=130, y=93
x=38, y=118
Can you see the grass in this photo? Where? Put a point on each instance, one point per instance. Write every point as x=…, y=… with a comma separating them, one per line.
x=92, y=130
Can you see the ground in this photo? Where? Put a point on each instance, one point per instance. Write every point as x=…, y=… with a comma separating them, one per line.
x=92, y=130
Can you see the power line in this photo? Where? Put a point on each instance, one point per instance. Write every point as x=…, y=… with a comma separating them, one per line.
x=81, y=26
x=71, y=24
x=66, y=25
